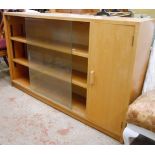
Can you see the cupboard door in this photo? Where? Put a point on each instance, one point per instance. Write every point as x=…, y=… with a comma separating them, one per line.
x=110, y=68
x=50, y=59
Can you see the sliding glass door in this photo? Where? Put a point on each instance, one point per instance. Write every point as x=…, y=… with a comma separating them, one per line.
x=49, y=48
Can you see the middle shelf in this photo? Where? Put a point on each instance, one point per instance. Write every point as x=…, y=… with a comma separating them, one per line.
x=76, y=49
x=77, y=78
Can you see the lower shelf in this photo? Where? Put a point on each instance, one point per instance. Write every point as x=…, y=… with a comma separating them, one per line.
x=24, y=82
x=78, y=102
x=78, y=78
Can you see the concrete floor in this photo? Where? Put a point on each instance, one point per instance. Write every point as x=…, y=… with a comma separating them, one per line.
x=25, y=120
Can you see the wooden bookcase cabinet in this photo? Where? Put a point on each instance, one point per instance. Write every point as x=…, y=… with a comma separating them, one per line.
x=96, y=66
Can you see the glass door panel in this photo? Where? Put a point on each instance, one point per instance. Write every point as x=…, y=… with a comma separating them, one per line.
x=50, y=59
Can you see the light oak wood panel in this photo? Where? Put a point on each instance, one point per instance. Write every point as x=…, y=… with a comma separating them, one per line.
x=19, y=50
x=20, y=71
x=57, y=46
x=78, y=90
x=17, y=26
x=77, y=49
x=24, y=82
x=79, y=79
x=80, y=64
x=13, y=26
x=79, y=105
x=80, y=50
x=21, y=61
x=20, y=39
x=111, y=58
x=80, y=33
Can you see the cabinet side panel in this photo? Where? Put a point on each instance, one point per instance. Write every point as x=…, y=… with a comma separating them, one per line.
x=111, y=59
x=143, y=43
x=12, y=27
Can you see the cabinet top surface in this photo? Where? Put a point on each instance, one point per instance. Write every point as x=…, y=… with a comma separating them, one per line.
x=77, y=17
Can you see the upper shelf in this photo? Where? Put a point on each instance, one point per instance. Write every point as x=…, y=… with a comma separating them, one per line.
x=78, y=78
x=78, y=50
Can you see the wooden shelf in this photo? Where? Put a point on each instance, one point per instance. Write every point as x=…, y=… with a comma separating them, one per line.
x=78, y=50
x=19, y=39
x=78, y=78
x=24, y=82
x=78, y=104
x=54, y=72
x=21, y=61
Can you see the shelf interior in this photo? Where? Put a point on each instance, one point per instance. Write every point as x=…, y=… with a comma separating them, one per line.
x=21, y=61
x=78, y=78
x=24, y=82
x=21, y=72
x=79, y=104
x=19, y=50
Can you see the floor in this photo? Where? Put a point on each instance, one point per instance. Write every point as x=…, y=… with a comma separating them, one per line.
x=25, y=120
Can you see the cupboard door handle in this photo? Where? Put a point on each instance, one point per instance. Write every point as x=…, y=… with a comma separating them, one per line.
x=91, y=77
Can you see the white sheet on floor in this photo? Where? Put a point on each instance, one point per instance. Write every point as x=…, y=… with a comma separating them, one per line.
x=149, y=83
